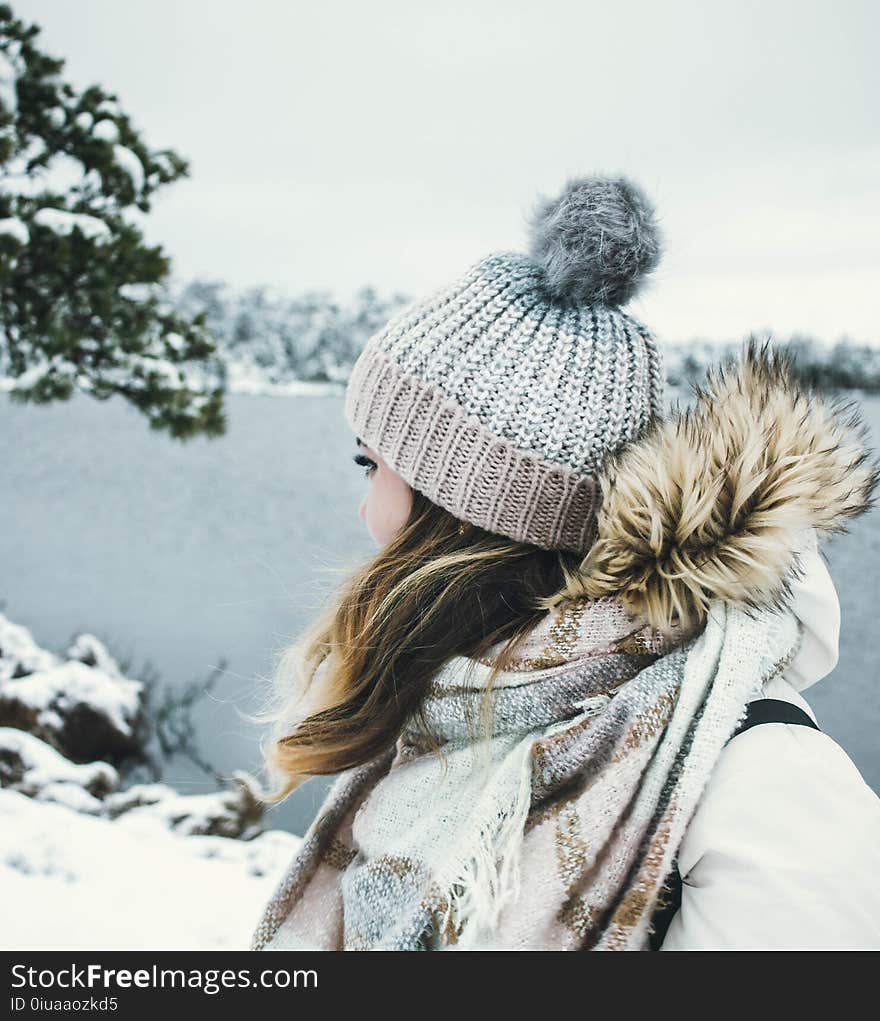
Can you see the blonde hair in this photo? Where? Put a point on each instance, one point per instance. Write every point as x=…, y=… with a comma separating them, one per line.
x=440, y=588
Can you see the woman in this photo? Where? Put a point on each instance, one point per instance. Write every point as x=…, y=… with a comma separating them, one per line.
x=530, y=695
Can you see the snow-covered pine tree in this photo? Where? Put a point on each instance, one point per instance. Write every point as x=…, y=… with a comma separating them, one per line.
x=84, y=303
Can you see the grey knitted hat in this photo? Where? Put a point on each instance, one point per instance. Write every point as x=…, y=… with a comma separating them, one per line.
x=499, y=396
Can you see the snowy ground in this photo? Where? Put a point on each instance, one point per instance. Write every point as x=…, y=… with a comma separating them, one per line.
x=74, y=881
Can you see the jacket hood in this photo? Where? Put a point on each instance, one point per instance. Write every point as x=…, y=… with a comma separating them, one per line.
x=816, y=606
x=725, y=499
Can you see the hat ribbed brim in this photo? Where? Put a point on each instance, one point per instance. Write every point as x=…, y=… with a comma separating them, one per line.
x=430, y=440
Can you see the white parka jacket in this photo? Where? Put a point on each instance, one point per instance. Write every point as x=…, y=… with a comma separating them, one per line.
x=783, y=851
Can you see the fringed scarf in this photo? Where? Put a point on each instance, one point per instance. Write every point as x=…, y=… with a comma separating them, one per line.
x=559, y=832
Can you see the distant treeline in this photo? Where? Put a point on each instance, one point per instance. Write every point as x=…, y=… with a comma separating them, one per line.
x=314, y=337
x=279, y=338
x=843, y=365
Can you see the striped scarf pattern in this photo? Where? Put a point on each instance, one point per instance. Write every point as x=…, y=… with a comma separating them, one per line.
x=558, y=831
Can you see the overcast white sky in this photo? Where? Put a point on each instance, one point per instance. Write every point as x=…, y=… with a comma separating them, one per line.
x=334, y=144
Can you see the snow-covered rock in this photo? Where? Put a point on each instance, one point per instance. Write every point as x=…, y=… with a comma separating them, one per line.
x=89, y=649
x=83, y=712
x=80, y=704
x=19, y=653
x=83, y=708
x=71, y=795
x=140, y=795
x=72, y=881
x=32, y=767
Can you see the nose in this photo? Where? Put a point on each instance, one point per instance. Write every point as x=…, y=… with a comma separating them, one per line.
x=362, y=508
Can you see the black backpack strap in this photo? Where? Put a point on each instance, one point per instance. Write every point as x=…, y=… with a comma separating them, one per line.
x=773, y=710
x=761, y=710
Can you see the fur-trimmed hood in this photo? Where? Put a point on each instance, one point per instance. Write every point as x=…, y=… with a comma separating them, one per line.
x=713, y=501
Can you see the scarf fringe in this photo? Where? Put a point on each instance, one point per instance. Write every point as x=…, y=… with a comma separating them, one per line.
x=489, y=879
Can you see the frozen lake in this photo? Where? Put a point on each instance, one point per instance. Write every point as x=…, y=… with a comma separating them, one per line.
x=182, y=554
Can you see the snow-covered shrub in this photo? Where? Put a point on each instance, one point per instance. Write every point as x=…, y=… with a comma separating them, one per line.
x=32, y=767
x=231, y=813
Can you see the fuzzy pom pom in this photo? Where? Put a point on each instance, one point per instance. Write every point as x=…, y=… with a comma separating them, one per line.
x=596, y=241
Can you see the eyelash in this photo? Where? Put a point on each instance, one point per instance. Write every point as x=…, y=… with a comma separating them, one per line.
x=365, y=462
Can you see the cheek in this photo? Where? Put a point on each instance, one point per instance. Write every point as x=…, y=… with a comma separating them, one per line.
x=386, y=506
